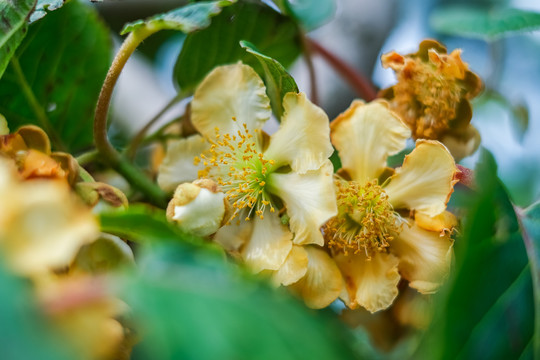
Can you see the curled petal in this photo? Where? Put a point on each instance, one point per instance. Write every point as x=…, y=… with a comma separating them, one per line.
x=365, y=135
x=269, y=245
x=322, y=283
x=425, y=257
x=443, y=223
x=425, y=181
x=294, y=267
x=178, y=165
x=230, y=92
x=303, y=139
x=371, y=284
x=310, y=200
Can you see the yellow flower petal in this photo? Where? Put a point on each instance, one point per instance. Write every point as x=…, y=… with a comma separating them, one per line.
x=322, y=283
x=269, y=245
x=371, y=284
x=310, y=200
x=178, y=165
x=294, y=267
x=231, y=91
x=443, y=223
x=234, y=236
x=303, y=139
x=425, y=257
x=365, y=135
x=425, y=181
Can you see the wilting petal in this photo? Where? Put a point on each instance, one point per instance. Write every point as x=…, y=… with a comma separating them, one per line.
x=322, y=283
x=178, y=165
x=365, y=135
x=294, y=267
x=231, y=91
x=269, y=245
x=303, y=139
x=443, y=223
x=310, y=200
x=425, y=181
x=369, y=283
x=425, y=257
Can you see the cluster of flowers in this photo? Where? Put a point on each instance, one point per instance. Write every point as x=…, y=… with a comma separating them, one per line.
x=276, y=204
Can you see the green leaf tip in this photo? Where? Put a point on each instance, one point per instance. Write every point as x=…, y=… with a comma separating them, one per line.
x=187, y=19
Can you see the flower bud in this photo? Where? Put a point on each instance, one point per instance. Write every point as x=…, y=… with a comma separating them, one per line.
x=198, y=207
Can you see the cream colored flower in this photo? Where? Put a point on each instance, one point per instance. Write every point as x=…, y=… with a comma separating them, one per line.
x=388, y=229
x=261, y=176
x=42, y=224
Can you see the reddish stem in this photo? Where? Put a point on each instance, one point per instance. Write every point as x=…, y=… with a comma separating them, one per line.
x=363, y=87
x=465, y=176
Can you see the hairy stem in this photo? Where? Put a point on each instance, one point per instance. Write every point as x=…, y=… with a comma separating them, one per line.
x=110, y=156
x=356, y=80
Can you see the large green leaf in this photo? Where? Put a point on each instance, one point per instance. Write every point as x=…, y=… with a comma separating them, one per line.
x=277, y=79
x=187, y=19
x=13, y=28
x=530, y=222
x=310, y=13
x=275, y=35
x=24, y=331
x=57, y=75
x=480, y=23
x=194, y=305
x=485, y=310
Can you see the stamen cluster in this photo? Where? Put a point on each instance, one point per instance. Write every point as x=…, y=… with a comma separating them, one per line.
x=240, y=169
x=366, y=221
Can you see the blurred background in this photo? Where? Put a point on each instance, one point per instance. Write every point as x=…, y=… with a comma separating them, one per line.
x=507, y=113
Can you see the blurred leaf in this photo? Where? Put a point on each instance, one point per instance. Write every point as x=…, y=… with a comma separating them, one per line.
x=275, y=35
x=485, y=310
x=479, y=23
x=195, y=306
x=520, y=120
x=310, y=13
x=44, y=6
x=530, y=222
x=24, y=332
x=277, y=79
x=64, y=60
x=13, y=28
x=187, y=19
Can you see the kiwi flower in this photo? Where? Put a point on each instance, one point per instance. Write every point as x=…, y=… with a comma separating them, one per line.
x=390, y=225
x=432, y=95
x=262, y=177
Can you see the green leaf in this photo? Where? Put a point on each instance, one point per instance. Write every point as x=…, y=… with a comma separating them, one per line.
x=192, y=305
x=45, y=6
x=56, y=75
x=485, y=309
x=479, y=23
x=187, y=19
x=24, y=331
x=277, y=79
x=310, y=13
x=275, y=35
x=13, y=28
x=530, y=224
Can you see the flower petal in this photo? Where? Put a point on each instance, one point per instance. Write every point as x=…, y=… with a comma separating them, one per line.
x=444, y=223
x=369, y=283
x=310, y=200
x=303, y=139
x=425, y=181
x=231, y=91
x=294, y=267
x=322, y=283
x=178, y=165
x=269, y=245
x=365, y=135
x=234, y=236
x=425, y=257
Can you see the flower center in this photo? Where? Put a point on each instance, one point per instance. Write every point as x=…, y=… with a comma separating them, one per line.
x=366, y=220
x=235, y=163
